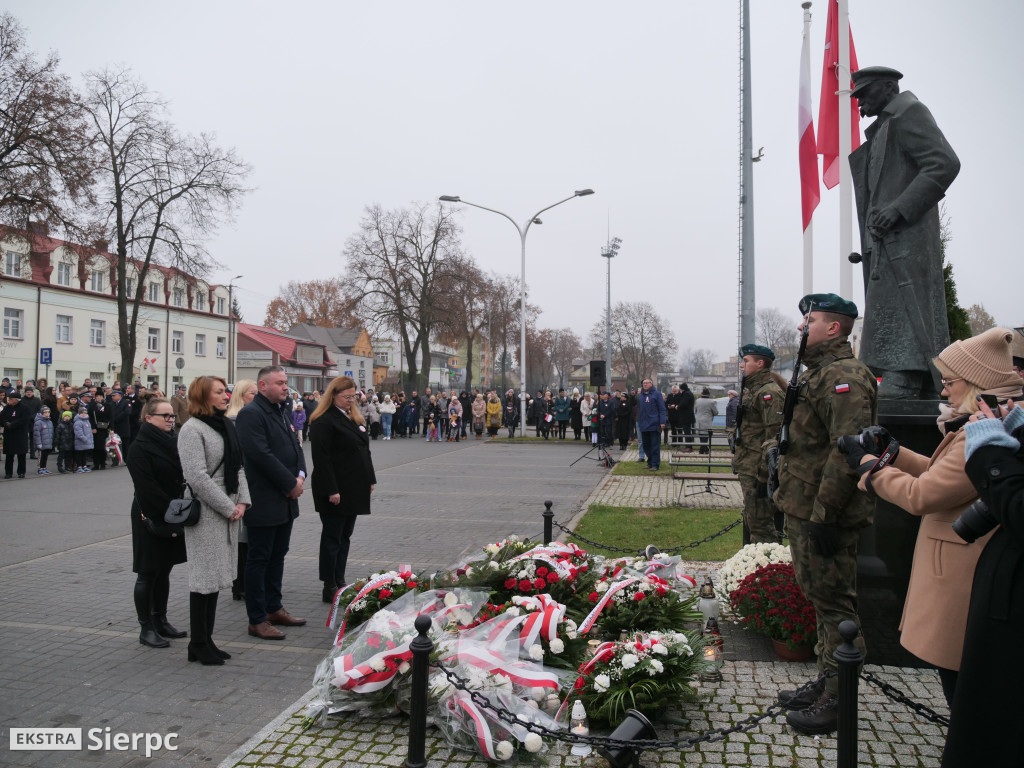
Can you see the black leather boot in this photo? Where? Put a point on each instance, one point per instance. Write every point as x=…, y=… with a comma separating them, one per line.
x=161, y=590
x=143, y=595
x=199, y=645
x=165, y=628
x=211, y=617
x=328, y=593
x=821, y=717
x=795, y=701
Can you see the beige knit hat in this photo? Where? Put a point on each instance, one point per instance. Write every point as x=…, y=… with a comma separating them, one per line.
x=983, y=360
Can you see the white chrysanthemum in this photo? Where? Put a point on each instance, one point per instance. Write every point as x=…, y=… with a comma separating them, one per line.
x=533, y=742
x=504, y=750
x=572, y=634
x=659, y=649
x=532, y=704
x=629, y=660
x=519, y=599
x=524, y=574
x=537, y=693
x=404, y=668
x=469, y=570
x=513, y=611
x=602, y=586
x=492, y=549
x=536, y=652
x=512, y=538
x=656, y=665
x=602, y=683
x=493, y=565
x=557, y=646
x=377, y=664
x=450, y=599
x=359, y=605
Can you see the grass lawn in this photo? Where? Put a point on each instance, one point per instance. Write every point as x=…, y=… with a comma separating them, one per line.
x=634, y=468
x=665, y=527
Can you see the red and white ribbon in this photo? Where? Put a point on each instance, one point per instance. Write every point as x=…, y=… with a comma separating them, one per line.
x=519, y=672
x=484, y=738
x=363, y=678
x=612, y=590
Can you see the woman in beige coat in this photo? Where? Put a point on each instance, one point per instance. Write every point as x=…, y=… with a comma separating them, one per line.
x=211, y=461
x=938, y=490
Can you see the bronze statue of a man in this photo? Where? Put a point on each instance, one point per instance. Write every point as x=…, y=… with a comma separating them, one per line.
x=900, y=174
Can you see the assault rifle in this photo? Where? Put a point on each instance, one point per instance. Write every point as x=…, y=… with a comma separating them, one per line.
x=789, y=405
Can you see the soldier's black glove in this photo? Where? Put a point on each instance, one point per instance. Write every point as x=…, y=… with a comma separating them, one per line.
x=825, y=537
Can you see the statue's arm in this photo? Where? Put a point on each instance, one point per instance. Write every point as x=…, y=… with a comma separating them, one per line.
x=936, y=162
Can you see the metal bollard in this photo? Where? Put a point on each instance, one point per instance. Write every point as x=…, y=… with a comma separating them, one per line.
x=849, y=658
x=548, y=516
x=421, y=647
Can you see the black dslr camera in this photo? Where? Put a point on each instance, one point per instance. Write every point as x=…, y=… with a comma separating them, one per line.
x=974, y=522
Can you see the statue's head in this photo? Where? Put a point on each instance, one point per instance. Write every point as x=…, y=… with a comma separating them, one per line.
x=874, y=87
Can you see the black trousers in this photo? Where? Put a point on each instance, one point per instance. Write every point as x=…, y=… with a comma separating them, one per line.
x=9, y=464
x=335, y=538
x=264, y=569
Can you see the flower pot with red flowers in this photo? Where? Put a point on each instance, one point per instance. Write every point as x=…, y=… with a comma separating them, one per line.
x=770, y=602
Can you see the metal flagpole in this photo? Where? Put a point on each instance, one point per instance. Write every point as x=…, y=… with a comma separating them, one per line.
x=845, y=142
x=809, y=232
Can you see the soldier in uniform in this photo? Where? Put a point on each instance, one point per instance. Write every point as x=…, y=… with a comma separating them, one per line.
x=818, y=492
x=757, y=421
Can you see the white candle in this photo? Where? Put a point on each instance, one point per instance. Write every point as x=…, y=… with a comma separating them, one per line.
x=581, y=730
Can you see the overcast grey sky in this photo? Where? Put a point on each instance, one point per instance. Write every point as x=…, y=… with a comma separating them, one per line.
x=514, y=105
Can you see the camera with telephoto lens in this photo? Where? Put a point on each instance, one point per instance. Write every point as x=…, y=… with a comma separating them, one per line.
x=974, y=522
x=846, y=443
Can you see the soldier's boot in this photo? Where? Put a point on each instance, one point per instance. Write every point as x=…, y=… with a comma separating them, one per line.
x=802, y=698
x=820, y=717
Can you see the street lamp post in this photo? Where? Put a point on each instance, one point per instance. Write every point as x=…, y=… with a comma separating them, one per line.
x=522, y=230
x=231, y=327
x=609, y=252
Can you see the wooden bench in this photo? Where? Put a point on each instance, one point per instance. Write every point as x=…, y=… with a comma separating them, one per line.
x=719, y=455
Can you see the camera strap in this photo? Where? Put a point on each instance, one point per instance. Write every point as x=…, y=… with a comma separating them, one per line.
x=887, y=456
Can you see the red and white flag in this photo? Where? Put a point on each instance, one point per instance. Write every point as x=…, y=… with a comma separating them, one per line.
x=828, y=107
x=810, y=189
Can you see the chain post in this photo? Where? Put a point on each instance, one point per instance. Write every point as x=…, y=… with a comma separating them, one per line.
x=421, y=647
x=548, y=516
x=849, y=658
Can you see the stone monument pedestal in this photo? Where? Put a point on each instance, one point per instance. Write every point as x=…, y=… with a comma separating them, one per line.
x=887, y=547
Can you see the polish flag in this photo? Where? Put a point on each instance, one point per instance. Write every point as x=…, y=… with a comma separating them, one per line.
x=810, y=190
x=828, y=106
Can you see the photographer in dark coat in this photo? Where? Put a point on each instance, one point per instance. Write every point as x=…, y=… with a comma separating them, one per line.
x=343, y=477
x=987, y=706
x=275, y=468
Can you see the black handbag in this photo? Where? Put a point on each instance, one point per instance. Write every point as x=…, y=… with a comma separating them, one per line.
x=159, y=529
x=185, y=511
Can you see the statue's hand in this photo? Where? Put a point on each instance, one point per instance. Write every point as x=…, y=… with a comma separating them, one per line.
x=884, y=220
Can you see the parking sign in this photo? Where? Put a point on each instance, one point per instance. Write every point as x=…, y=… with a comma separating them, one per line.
x=46, y=355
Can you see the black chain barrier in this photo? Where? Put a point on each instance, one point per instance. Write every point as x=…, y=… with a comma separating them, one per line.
x=716, y=734
x=896, y=695
x=680, y=548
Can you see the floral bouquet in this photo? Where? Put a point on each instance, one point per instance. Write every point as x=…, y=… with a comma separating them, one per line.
x=648, y=671
x=632, y=603
x=667, y=567
x=745, y=562
x=357, y=602
x=362, y=673
x=771, y=602
x=476, y=566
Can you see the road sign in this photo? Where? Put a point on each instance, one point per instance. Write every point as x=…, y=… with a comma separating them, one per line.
x=179, y=363
x=46, y=356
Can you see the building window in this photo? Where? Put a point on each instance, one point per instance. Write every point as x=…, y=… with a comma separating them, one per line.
x=179, y=297
x=200, y=301
x=12, y=373
x=362, y=363
x=130, y=287
x=153, y=340
x=97, y=333
x=201, y=344
x=64, y=274
x=12, y=264
x=97, y=377
x=63, y=335
x=97, y=280
x=177, y=342
x=222, y=344
x=154, y=292
x=64, y=376
x=12, y=323
x=221, y=305
x=384, y=358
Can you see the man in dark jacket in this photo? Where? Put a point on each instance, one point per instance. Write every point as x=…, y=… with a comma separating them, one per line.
x=275, y=469
x=33, y=404
x=651, y=418
x=16, y=425
x=120, y=419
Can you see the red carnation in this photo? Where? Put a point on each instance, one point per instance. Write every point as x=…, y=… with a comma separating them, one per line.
x=525, y=585
x=639, y=596
x=552, y=577
x=594, y=597
x=540, y=583
x=410, y=584
x=661, y=591
x=385, y=593
x=510, y=583
x=542, y=571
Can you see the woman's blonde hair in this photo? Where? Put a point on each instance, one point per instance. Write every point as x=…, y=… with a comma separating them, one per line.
x=238, y=396
x=337, y=385
x=970, y=402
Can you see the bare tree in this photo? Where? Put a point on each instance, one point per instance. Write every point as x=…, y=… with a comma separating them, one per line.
x=642, y=341
x=47, y=163
x=468, y=294
x=697, y=362
x=317, y=302
x=396, y=268
x=539, y=342
x=565, y=347
x=776, y=331
x=504, y=313
x=979, y=319
x=167, y=191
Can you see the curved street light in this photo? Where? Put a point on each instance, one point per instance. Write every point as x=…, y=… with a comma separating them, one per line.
x=522, y=230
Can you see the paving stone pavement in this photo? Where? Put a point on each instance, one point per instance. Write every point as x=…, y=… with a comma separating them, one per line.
x=69, y=637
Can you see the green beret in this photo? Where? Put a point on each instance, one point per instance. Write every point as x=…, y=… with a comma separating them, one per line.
x=828, y=302
x=756, y=349
x=862, y=78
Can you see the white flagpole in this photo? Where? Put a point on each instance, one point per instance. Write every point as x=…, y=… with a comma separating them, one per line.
x=809, y=232
x=845, y=142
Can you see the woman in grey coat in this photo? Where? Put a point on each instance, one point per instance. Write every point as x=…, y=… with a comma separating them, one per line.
x=211, y=461
x=706, y=410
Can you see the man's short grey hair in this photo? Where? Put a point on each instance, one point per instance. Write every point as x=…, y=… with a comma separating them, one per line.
x=266, y=370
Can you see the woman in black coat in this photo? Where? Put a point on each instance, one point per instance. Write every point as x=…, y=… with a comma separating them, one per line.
x=343, y=477
x=687, y=417
x=623, y=420
x=156, y=474
x=987, y=705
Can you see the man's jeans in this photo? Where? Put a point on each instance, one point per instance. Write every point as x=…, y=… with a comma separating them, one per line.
x=652, y=447
x=264, y=569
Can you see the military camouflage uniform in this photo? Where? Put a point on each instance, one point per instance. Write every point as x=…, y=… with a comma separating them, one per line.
x=759, y=419
x=837, y=397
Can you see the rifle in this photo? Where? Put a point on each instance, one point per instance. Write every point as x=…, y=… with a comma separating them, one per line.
x=789, y=405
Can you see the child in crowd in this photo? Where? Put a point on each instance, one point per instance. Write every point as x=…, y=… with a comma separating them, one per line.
x=64, y=443
x=42, y=437
x=299, y=419
x=432, y=428
x=83, y=439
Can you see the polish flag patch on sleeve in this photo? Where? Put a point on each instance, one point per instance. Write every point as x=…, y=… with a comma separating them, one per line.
x=767, y=398
x=842, y=388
